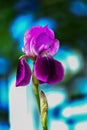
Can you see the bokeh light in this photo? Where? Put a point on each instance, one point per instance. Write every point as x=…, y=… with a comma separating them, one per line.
x=55, y=98
x=58, y=124
x=76, y=110
x=5, y=66
x=79, y=8
x=81, y=125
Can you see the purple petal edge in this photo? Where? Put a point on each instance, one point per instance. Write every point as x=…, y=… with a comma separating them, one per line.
x=56, y=72
x=23, y=73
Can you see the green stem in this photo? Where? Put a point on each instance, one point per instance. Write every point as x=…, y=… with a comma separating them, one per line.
x=41, y=102
x=36, y=90
x=45, y=128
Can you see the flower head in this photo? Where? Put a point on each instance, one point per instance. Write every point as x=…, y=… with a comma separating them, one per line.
x=40, y=45
x=40, y=40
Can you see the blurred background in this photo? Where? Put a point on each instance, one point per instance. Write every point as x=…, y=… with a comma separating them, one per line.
x=68, y=18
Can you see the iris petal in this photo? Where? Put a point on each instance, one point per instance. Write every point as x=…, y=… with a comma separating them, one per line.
x=40, y=69
x=56, y=71
x=44, y=44
x=29, y=34
x=39, y=40
x=54, y=47
x=23, y=73
x=48, y=70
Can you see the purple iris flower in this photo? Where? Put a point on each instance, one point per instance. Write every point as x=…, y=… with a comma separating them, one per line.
x=40, y=45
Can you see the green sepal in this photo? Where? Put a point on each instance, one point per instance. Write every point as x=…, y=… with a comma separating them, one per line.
x=44, y=109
